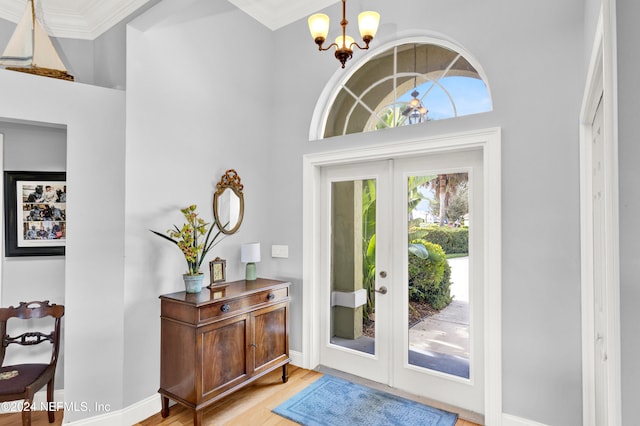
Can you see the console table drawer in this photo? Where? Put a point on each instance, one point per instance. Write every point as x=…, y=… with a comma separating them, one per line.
x=235, y=306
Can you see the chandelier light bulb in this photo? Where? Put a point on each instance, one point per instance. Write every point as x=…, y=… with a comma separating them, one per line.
x=368, y=22
x=319, y=26
x=344, y=44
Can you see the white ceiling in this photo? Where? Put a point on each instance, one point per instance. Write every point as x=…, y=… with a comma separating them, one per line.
x=87, y=19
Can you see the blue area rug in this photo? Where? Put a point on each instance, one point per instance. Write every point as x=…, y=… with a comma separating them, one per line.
x=331, y=401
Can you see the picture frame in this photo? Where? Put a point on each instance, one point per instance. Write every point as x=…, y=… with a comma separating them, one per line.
x=217, y=270
x=35, y=212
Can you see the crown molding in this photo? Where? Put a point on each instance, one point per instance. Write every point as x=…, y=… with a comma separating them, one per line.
x=77, y=19
x=11, y=10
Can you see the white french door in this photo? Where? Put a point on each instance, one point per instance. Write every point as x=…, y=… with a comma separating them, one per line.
x=342, y=193
x=388, y=352
x=438, y=373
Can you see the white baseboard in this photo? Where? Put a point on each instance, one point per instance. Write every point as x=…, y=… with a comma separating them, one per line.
x=509, y=420
x=127, y=416
x=296, y=358
x=140, y=410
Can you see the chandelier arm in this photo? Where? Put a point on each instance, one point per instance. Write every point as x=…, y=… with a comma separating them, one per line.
x=322, y=49
x=366, y=46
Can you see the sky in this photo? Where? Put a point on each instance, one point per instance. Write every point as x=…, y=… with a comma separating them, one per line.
x=470, y=95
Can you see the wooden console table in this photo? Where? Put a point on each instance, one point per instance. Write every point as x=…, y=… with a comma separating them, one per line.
x=218, y=341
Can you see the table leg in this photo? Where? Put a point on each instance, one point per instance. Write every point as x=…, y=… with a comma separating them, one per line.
x=165, y=406
x=197, y=418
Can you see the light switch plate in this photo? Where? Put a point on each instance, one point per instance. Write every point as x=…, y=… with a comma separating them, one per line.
x=280, y=251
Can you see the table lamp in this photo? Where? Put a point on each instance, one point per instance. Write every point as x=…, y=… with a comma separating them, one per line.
x=250, y=254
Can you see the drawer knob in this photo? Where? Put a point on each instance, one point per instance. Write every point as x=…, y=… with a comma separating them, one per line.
x=271, y=296
x=225, y=308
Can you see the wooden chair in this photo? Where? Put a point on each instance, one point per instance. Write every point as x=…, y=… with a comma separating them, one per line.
x=22, y=381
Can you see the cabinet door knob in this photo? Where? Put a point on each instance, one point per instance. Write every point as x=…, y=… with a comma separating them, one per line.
x=271, y=296
x=225, y=308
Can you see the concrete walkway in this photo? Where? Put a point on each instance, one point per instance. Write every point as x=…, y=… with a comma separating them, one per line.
x=441, y=342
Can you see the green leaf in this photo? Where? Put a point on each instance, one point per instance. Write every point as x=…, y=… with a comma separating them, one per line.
x=164, y=236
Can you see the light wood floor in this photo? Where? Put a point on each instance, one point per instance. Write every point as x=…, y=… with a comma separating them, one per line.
x=250, y=406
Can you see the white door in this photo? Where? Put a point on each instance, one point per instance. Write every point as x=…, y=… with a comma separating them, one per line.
x=346, y=193
x=448, y=364
x=599, y=271
x=430, y=363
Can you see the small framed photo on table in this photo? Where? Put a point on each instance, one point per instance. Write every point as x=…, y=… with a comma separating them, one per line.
x=217, y=270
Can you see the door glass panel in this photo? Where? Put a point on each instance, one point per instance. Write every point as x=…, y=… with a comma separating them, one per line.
x=438, y=272
x=353, y=230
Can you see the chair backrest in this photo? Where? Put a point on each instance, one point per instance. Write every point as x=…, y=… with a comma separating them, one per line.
x=28, y=310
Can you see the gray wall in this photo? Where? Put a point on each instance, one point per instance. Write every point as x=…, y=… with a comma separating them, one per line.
x=187, y=123
x=591, y=14
x=33, y=148
x=535, y=66
x=94, y=319
x=629, y=177
x=110, y=53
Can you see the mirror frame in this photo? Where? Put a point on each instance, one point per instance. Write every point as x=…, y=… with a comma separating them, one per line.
x=230, y=180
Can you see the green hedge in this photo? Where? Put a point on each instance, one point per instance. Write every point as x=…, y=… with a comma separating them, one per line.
x=452, y=240
x=430, y=278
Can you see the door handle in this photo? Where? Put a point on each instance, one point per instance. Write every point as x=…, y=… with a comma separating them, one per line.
x=381, y=290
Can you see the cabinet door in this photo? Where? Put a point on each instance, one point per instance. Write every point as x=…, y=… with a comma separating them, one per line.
x=224, y=355
x=270, y=336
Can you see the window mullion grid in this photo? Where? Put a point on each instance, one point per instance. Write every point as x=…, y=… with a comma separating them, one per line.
x=358, y=101
x=396, y=109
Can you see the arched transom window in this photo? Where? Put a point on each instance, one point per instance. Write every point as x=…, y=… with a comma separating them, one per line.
x=407, y=84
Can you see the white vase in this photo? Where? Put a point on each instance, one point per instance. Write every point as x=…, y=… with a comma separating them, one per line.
x=193, y=283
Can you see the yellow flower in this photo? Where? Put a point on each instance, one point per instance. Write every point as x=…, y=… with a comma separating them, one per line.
x=188, y=238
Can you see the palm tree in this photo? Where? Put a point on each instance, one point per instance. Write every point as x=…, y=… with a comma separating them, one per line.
x=369, y=244
x=415, y=196
x=445, y=187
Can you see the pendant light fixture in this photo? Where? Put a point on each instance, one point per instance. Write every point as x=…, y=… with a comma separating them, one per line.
x=367, y=23
x=415, y=111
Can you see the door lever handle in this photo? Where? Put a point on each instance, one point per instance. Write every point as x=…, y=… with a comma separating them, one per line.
x=381, y=290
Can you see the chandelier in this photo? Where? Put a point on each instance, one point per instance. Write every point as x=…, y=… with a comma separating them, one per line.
x=367, y=23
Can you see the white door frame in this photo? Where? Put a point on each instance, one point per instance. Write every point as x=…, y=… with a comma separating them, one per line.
x=489, y=140
x=601, y=81
x=2, y=210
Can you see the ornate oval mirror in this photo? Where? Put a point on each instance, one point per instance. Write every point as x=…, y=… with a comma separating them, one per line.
x=228, y=203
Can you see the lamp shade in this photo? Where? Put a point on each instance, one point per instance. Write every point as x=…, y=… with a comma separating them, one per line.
x=368, y=23
x=319, y=26
x=250, y=253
